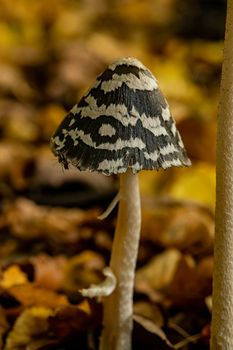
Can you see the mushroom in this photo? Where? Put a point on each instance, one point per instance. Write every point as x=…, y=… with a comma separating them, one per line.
x=121, y=126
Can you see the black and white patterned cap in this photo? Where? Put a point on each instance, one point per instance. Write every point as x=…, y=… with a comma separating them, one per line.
x=122, y=122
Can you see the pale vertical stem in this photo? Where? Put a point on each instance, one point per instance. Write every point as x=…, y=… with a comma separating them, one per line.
x=118, y=307
x=222, y=320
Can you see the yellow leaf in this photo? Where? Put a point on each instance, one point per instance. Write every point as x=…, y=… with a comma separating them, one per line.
x=31, y=295
x=13, y=276
x=31, y=323
x=160, y=270
x=83, y=270
x=196, y=183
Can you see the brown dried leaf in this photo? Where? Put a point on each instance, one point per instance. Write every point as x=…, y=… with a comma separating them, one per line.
x=83, y=270
x=195, y=279
x=4, y=326
x=49, y=271
x=149, y=311
x=170, y=270
x=13, y=81
x=8, y=247
x=15, y=161
x=30, y=295
x=70, y=319
x=147, y=335
x=181, y=225
x=32, y=323
x=159, y=272
x=13, y=115
x=27, y=220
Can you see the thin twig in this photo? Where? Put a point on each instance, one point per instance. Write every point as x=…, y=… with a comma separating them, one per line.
x=110, y=207
x=186, y=341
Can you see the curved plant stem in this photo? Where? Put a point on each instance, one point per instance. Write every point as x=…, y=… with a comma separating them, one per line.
x=110, y=208
x=222, y=322
x=118, y=307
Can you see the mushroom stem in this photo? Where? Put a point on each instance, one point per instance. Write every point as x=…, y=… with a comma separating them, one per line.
x=118, y=307
x=222, y=319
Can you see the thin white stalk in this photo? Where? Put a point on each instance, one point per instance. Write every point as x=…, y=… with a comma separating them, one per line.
x=222, y=320
x=110, y=208
x=118, y=307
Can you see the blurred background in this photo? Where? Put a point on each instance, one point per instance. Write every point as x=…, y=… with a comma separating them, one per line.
x=50, y=53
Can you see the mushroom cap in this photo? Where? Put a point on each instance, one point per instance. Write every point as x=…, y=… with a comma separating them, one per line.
x=122, y=122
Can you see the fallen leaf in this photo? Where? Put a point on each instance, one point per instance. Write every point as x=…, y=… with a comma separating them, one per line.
x=13, y=276
x=149, y=311
x=159, y=271
x=68, y=320
x=28, y=221
x=15, y=161
x=72, y=324
x=148, y=335
x=13, y=81
x=195, y=279
x=4, y=326
x=170, y=270
x=183, y=225
x=8, y=247
x=83, y=270
x=32, y=323
x=30, y=295
x=49, y=272
x=197, y=185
